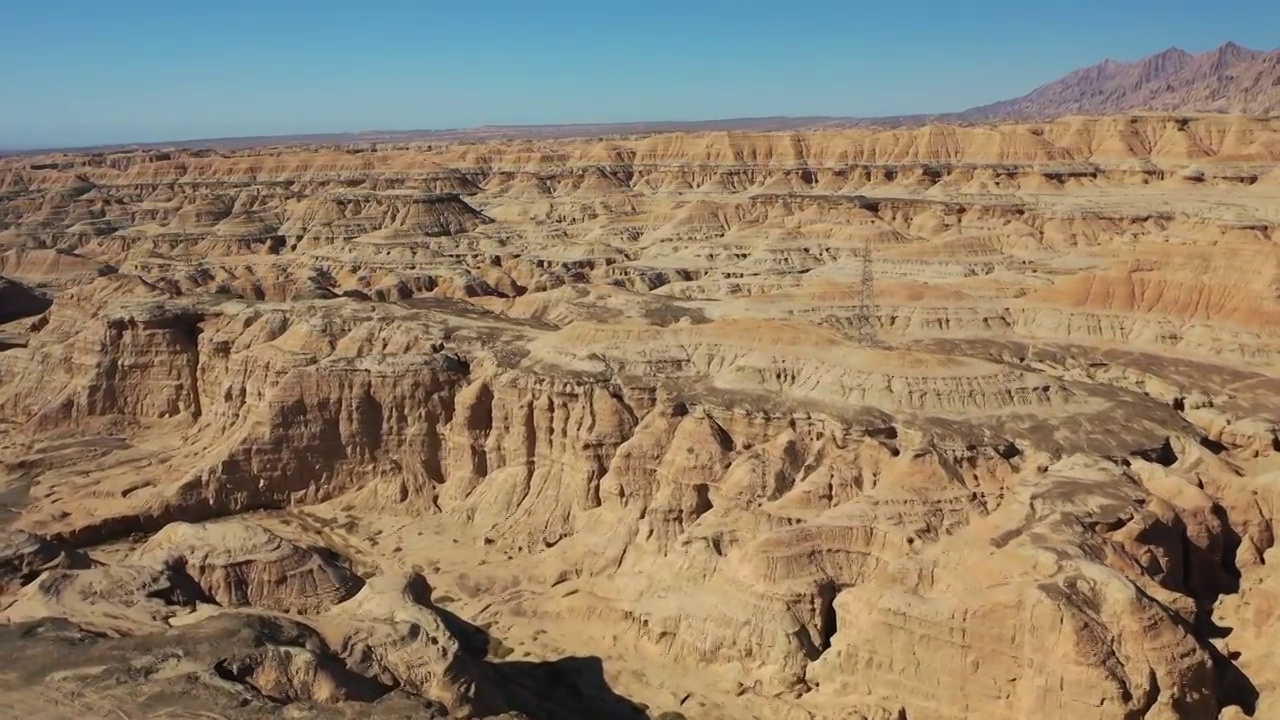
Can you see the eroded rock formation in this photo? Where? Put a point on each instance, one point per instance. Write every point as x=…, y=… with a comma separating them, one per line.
x=581, y=428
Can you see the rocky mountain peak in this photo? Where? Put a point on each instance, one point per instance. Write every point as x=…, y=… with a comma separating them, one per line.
x=1230, y=78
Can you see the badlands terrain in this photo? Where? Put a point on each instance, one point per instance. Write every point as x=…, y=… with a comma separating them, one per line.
x=584, y=428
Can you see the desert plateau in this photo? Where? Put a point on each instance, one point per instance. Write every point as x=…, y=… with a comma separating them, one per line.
x=931, y=423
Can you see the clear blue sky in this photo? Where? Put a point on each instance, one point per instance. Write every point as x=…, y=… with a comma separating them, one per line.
x=102, y=71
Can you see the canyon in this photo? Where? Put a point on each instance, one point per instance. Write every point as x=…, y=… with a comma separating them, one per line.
x=584, y=428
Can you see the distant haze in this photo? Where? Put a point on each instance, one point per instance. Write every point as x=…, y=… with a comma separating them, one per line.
x=88, y=73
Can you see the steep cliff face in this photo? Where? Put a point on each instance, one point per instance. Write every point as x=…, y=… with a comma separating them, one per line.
x=607, y=399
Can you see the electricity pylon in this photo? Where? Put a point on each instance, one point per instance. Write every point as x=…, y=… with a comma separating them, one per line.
x=865, y=315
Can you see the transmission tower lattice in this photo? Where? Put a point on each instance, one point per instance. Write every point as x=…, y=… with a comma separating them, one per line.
x=864, y=317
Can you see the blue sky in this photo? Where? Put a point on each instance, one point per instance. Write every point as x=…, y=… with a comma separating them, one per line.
x=103, y=71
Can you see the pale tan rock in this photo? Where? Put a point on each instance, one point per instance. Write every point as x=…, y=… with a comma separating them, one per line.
x=123, y=599
x=390, y=629
x=242, y=564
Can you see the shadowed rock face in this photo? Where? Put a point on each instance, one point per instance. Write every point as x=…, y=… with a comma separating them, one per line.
x=19, y=301
x=581, y=429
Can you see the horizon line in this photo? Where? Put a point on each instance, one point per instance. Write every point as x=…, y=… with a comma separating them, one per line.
x=628, y=127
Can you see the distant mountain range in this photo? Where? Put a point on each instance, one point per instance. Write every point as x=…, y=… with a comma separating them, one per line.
x=1230, y=79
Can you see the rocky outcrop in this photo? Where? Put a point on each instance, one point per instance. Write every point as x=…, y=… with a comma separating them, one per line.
x=241, y=564
x=1062, y=605
x=23, y=557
